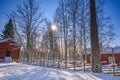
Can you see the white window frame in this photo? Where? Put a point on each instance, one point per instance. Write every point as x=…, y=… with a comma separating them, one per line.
x=111, y=59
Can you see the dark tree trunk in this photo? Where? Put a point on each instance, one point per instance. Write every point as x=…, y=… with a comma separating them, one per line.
x=96, y=65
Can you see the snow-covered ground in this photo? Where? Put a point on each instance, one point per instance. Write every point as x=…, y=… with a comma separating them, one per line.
x=18, y=71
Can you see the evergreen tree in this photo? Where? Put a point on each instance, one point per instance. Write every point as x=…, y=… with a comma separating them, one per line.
x=8, y=31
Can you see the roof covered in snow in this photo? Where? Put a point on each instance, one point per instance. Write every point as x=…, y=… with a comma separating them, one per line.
x=108, y=50
x=5, y=40
x=9, y=39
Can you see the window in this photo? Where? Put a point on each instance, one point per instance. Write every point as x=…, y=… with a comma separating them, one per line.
x=111, y=59
x=8, y=53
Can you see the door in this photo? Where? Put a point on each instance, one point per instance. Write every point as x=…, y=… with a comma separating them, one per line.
x=8, y=53
x=8, y=56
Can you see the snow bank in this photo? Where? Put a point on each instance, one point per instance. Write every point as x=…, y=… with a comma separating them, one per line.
x=17, y=71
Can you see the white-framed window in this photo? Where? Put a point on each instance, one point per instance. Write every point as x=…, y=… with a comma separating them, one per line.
x=111, y=59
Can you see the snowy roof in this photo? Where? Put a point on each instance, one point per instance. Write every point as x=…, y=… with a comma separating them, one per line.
x=116, y=50
x=1, y=41
x=12, y=44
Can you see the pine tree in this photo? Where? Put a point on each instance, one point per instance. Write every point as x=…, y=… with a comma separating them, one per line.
x=8, y=31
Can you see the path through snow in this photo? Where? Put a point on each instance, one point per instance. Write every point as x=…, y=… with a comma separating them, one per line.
x=16, y=71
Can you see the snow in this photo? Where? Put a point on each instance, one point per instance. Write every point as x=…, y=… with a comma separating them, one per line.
x=1, y=41
x=19, y=71
x=8, y=59
x=116, y=50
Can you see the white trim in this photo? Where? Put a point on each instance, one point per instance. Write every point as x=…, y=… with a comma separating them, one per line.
x=111, y=59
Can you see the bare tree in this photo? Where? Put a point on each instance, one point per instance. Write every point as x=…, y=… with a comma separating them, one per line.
x=28, y=19
x=73, y=12
x=50, y=42
x=84, y=30
x=62, y=19
x=96, y=63
x=72, y=16
x=69, y=18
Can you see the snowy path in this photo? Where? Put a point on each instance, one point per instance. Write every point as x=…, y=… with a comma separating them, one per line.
x=14, y=71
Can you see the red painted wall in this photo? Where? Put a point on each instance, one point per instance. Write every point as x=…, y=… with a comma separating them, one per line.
x=117, y=58
x=5, y=46
x=105, y=58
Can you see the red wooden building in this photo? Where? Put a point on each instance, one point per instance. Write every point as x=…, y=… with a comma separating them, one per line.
x=108, y=55
x=9, y=48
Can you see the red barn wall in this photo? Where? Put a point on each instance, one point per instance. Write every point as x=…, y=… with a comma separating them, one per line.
x=15, y=54
x=117, y=58
x=105, y=58
x=2, y=53
x=5, y=46
x=89, y=58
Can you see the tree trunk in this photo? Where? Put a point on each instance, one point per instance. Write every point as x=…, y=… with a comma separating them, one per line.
x=96, y=65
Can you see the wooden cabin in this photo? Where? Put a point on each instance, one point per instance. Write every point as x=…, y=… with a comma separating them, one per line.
x=108, y=55
x=9, y=48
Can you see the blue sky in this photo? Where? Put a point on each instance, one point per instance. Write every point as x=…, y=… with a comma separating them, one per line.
x=7, y=6
x=111, y=8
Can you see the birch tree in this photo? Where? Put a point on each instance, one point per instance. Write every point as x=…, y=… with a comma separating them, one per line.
x=73, y=12
x=62, y=20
